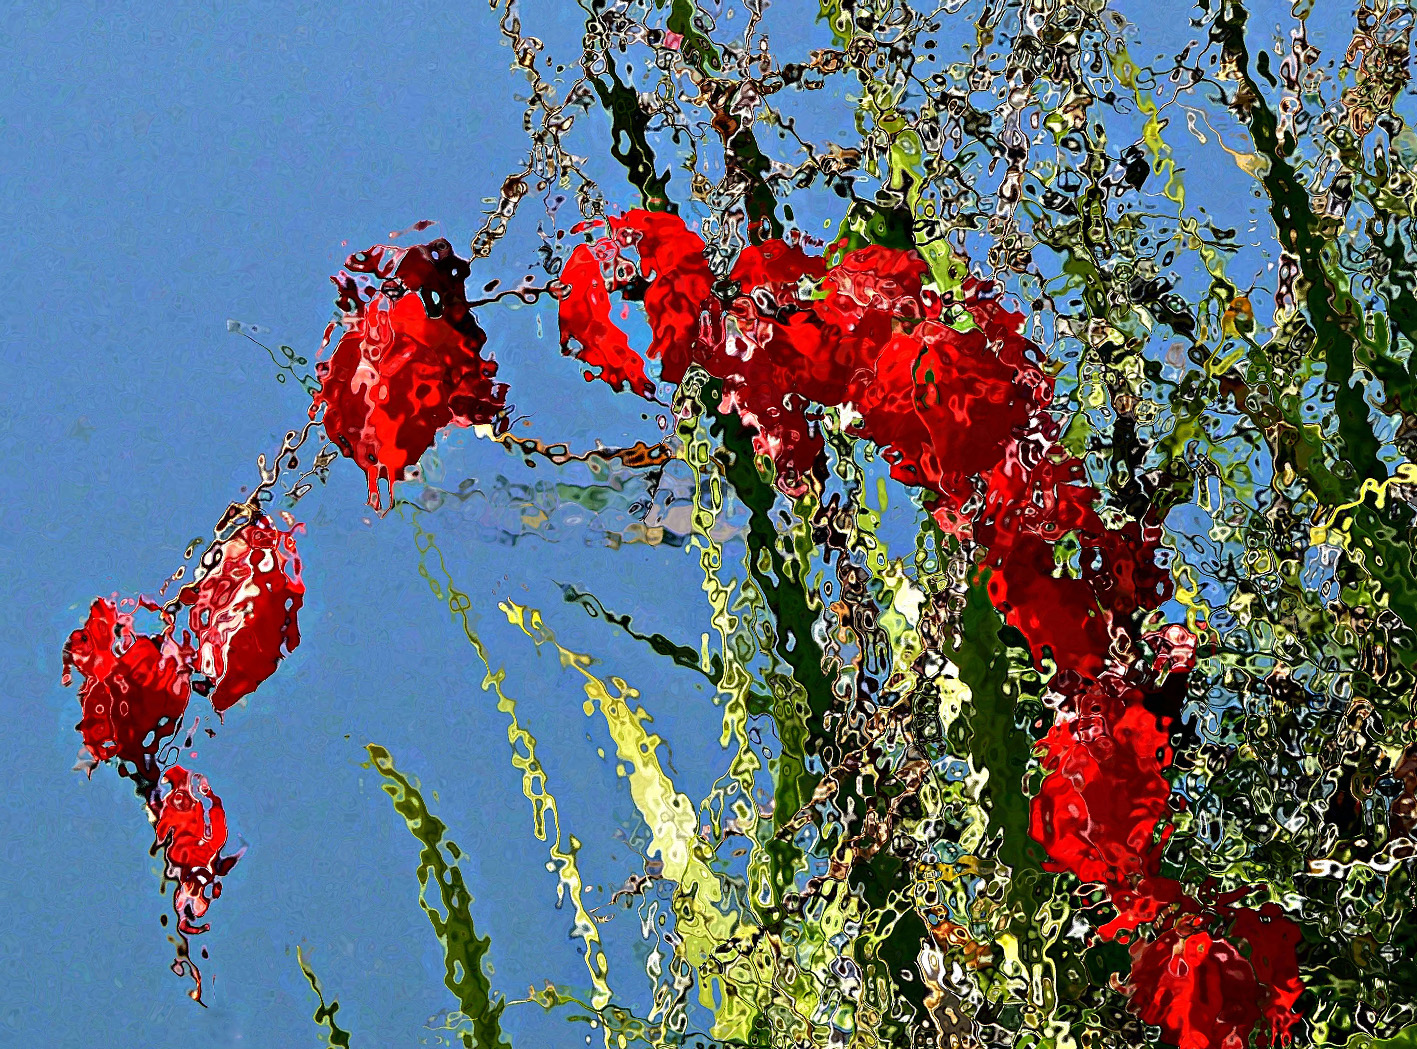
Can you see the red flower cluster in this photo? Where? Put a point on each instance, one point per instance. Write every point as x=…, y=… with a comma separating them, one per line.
x=134, y=689
x=952, y=392
x=408, y=364
x=786, y=331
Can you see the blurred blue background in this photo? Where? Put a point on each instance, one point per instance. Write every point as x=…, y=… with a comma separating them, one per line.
x=164, y=169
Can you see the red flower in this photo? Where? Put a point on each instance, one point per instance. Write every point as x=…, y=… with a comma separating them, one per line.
x=1204, y=993
x=409, y=364
x=1046, y=498
x=584, y=317
x=134, y=688
x=1198, y=989
x=191, y=829
x=680, y=282
x=1027, y=510
x=243, y=613
x=1273, y=939
x=943, y=403
x=1120, y=566
x=1097, y=813
x=677, y=286
x=1052, y=610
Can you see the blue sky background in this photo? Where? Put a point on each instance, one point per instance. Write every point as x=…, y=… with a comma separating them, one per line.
x=161, y=172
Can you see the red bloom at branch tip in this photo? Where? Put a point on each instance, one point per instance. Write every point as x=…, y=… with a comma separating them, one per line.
x=134, y=688
x=243, y=613
x=191, y=830
x=409, y=363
